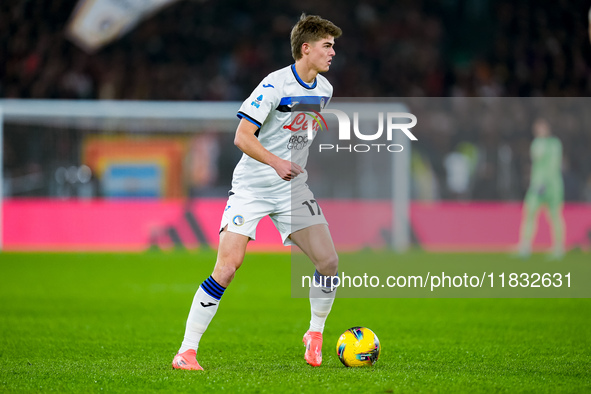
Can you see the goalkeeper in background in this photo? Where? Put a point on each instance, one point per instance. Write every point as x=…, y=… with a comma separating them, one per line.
x=546, y=188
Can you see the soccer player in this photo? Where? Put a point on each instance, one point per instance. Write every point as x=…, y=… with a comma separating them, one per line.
x=270, y=180
x=546, y=188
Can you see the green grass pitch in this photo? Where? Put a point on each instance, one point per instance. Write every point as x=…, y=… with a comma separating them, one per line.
x=112, y=323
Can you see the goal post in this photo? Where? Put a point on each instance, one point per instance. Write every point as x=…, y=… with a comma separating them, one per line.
x=1, y=176
x=401, y=188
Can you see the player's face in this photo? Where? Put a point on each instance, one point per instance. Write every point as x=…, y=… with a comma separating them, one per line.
x=320, y=54
x=541, y=128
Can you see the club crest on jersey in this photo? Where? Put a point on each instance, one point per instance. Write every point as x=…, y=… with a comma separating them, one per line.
x=238, y=220
x=257, y=102
x=322, y=103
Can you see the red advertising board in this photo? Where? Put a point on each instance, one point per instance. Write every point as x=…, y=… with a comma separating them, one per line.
x=136, y=225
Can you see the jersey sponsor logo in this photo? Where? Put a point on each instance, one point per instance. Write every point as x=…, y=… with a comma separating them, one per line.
x=297, y=142
x=257, y=102
x=300, y=122
x=203, y=304
x=238, y=220
x=268, y=86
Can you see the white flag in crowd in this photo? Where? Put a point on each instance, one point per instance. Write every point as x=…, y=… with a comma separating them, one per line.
x=95, y=23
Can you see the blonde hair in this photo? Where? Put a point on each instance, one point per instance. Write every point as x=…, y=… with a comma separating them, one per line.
x=311, y=28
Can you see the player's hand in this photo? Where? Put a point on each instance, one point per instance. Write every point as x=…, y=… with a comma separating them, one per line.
x=287, y=170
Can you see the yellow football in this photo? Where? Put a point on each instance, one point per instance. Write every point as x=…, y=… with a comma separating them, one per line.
x=358, y=347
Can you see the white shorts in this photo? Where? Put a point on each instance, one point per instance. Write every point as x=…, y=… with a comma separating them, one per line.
x=289, y=214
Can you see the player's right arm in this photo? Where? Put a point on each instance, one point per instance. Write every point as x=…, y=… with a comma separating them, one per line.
x=248, y=143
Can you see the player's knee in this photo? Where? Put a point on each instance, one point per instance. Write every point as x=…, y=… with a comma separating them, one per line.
x=530, y=212
x=555, y=213
x=231, y=258
x=226, y=269
x=225, y=274
x=330, y=264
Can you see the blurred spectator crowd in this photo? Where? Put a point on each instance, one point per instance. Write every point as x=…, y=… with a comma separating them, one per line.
x=208, y=50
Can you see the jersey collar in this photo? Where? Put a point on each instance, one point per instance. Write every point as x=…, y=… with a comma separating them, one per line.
x=304, y=84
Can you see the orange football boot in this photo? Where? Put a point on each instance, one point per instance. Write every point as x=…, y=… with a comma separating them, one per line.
x=313, y=342
x=187, y=361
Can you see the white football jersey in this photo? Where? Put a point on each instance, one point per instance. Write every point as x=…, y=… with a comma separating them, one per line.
x=276, y=106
